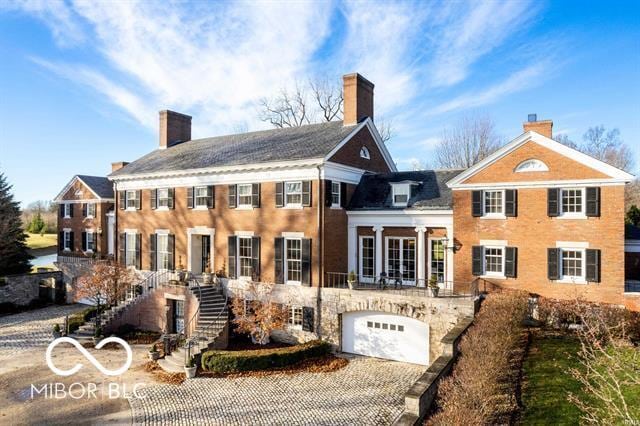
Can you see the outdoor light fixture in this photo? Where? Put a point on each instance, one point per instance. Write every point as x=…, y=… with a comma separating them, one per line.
x=455, y=247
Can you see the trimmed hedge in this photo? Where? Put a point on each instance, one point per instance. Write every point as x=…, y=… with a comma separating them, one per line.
x=79, y=318
x=252, y=360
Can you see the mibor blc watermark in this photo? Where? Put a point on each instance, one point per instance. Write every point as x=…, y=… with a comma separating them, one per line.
x=90, y=390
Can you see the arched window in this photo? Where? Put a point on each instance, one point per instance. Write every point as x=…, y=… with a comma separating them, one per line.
x=364, y=153
x=531, y=165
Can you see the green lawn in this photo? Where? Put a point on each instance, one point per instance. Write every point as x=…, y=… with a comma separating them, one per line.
x=37, y=241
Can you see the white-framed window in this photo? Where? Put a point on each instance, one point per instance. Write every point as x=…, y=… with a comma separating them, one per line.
x=367, y=258
x=531, y=165
x=335, y=194
x=400, y=194
x=163, y=198
x=131, y=199
x=493, y=203
x=295, y=317
x=364, y=153
x=91, y=209
x=494, y=261
x=437, y=253
x=573, y=268
x=245, y=193
x=573, y=201
x=67, y=240
x=130, y=255
x=90, y=241
x=67, y=210
x=293, y=260
x=245, y=259
x=201, y=197
x=401, y=259
x=162, y=250
x=293, y=193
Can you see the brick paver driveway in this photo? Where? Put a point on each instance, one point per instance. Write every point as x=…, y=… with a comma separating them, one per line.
x=366, y=392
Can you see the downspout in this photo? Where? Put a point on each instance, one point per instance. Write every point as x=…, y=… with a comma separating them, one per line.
x=116, y=234
x=321, y=198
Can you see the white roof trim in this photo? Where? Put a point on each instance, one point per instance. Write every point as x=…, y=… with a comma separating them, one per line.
x=59, y=199
x=561, y=149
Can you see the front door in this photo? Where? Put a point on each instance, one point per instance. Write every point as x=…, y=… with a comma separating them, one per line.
x=206, y=252
x=178, y=316
x=401, y=259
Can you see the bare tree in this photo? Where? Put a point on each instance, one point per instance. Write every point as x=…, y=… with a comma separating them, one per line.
x=329, y=99
x=608, y=147
x=564, y=139
x=288, y=109
x=469, y=141
x=258, y=315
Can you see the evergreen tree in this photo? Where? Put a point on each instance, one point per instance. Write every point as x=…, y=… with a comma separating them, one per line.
x=37, y=225
x=633, y=216
x=14, y=257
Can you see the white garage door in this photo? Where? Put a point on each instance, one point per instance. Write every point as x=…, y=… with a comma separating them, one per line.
x=385, y=336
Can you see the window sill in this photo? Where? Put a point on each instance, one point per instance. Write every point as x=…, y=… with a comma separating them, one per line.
x=335, y=207
x=130, y=209
x=244, y=207
x=293, y=207
x=572, y=216
x=571, y=281
x=89, y=217
x=293, y=283
x=66, y=250
x=493, y=216
x=495, y=277
x=67, y=217
x=200, y=208
x=294, y=327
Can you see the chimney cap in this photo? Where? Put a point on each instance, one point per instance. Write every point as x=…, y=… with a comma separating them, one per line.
x=532, y=118
x=358, y=77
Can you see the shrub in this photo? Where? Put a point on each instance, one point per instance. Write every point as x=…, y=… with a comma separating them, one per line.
x=481, y=388
x=79, y=318
x=251, y=360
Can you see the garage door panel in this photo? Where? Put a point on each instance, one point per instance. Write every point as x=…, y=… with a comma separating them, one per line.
x=386, y=336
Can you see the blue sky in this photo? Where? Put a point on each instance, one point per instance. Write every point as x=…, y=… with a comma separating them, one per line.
x=81, y=82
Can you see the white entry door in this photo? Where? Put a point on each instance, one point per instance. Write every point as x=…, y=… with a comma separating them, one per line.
x=401, y=260
x=386, y=336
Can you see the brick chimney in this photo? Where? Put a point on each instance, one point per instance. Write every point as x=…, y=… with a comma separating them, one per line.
x=358, y=98
x=174, y=128
x=118, y=165
x=543, y=126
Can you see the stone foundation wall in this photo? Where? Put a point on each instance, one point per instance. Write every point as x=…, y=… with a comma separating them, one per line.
x=22, y=289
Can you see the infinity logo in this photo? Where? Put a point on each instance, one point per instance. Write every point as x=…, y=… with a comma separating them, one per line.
x=90, y=357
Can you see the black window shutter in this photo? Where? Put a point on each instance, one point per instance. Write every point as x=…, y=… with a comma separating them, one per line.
x=84, y=209
x=171, y=242
x=153, y=198
x=232, y=242
x=476, y=203
x=308, y=318
x=255, y=257
x=306, y=193
x=477, y=264
x=171, y=192
x=211, y=196
x=233, y=200
x=190, y=202
x=71, y=209
x=61, y=210
x=122, y=248
x=553, y=202
x=255, y=195
x=306, y=261
x=343, y=194
x=593, y=265
x=511, y=262
x=511, y=202
x=279, y=194
x=73, y=240
x=139, y=251
x=84, y=241
x=593, y=201
x=328, y=190
x=553, y=263
x=138, y=199
x=279, y=260
x=122, y=199
x=152, y=252
x=61, y=241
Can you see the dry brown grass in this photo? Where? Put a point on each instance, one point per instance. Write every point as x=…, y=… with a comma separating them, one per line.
x=162, y=376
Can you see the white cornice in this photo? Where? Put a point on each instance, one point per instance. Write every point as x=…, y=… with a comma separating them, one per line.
x=402, y=218
x=539, y=184
x=68, y=186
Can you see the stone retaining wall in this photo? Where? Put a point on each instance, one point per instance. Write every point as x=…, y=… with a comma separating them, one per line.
x=23, y=289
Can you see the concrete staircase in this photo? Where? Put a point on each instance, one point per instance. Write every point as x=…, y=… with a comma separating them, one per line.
x=213, y=316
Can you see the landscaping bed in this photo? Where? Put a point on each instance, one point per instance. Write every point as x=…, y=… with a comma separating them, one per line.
x=79, y=318
x=135, y=336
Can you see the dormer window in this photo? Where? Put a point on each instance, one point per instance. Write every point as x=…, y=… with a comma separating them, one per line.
x=364, y=153
x=401, y=193
x=531, y=165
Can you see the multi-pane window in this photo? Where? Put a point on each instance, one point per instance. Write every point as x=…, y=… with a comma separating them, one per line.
x=493, y=202
x=293, y=251
x=295, y=316
x=67, y=210
x=572, y=200
x=493, y=263
x=245, y=262
x=91, y=210
x=131, y=199
x=163, y=197
x=335, y=193
x=162, y=248
x=67, y=239
x=437, y=260
x=367, y=257
x=90, y=243
x=244, y=195
x=130, y=255
x=401, y=259
x=400, y=195
x=572, y=264
x=201, y=196
x=293, y=193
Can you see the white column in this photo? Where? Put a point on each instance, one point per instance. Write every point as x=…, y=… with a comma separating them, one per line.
x=448, y=259
x=378, y=230
x=352, y=238
x=421, y=255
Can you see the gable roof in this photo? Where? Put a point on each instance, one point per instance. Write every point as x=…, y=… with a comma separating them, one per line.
x=100, y=186
x=617, y=175
x=313, y=141
x=374, y=190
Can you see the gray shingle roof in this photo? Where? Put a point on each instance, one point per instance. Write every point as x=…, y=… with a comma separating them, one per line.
x=374, y=190
x=296, y=143
x=99, y=184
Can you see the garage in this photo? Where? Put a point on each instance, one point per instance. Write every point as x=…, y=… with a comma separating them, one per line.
x=387, y=336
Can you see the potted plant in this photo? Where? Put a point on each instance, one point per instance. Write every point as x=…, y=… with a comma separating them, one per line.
x=154, y=354
x=190, y=368
x=351, y=279
x=207, y=279
x=97, y=335
x=56, y=331
x=433, y=286
x=180, y=272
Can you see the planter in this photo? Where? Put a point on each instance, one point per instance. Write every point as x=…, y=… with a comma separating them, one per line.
x=207, y=278
x=179, y=275
x=352, y=284
x=190, y=372
x=154, y=356
x=57, y=334
x=96, y=340
x=433, y=291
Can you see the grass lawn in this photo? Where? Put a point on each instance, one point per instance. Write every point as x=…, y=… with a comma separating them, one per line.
x=37, y=241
